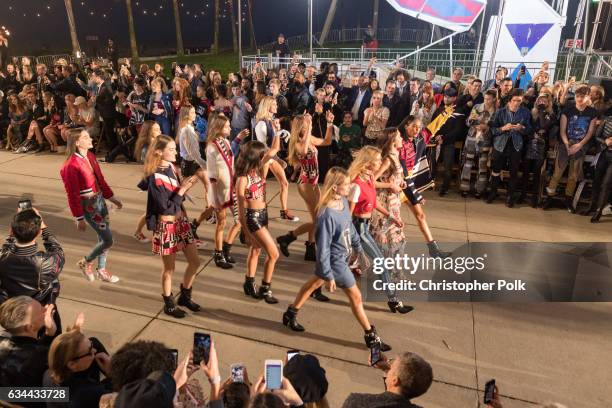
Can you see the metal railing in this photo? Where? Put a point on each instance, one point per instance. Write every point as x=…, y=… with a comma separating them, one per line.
x=439, y=59
x=418, y=37
x=48, y=60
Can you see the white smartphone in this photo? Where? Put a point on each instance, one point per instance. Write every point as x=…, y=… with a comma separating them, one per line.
x=237, y=372
x=273, y=374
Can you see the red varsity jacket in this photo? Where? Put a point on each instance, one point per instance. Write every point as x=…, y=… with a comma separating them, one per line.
x=79, y=181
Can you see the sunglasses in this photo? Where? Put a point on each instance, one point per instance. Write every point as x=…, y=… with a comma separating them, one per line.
x=90, y=352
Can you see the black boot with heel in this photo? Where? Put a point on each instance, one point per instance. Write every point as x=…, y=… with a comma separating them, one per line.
x=185, y=300
x=170, y=307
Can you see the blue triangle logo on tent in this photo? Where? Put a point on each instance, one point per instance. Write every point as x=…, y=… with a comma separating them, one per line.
x=526, y=36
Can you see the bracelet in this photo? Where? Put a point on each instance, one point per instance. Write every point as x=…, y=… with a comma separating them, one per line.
x=215, y=380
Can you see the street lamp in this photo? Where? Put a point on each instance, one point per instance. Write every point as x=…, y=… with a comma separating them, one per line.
x=239, y=33
x=310, y=26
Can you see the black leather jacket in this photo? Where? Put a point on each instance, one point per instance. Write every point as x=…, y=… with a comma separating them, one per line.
x=23, y=360
x=27, y=271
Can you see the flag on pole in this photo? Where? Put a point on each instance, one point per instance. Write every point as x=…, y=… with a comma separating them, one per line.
x=455, y=15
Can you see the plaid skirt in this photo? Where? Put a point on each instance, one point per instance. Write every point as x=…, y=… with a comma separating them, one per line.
x=171, y=237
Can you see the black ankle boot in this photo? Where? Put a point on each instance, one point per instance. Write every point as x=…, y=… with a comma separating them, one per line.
x=265, y=293
x=284, y=241
x=290, y=319
x=220, y=260
x=596, y=217
x=491, y=197
x=250, y=289
x=227, y=247
x=170, y=308
x=311, y=252
x=371, y=338
x=318, y=295
x=185, y=300
x=434, y=250
x=398, y=307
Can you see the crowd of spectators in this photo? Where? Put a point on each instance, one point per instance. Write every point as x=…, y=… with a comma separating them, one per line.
x=479, y=128
x=476, y=133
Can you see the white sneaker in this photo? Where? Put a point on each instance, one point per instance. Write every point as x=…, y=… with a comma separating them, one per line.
x=106, y=276
x=86, y=269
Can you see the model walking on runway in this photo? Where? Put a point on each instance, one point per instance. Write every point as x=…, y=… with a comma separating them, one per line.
x=220, y=164
x=166, y=216
x=251, y=171
x=337, y=242
x=362, y=199
x=87, y=190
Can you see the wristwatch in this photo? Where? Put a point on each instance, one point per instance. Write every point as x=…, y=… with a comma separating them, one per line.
x=215, y=380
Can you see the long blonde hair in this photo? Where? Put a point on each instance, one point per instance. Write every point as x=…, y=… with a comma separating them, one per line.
x=184, y=117
x=154, y=157
x=365, y=156
x=73, y=137
x=162, y=84
x=215, y=128
x=335, y=176
x=297, y=134
x=263, y=112
x=64, y=349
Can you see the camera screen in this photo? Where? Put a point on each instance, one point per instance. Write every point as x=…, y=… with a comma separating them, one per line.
x=201, y=348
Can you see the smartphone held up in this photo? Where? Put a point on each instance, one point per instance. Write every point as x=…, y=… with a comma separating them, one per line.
x=201, y=348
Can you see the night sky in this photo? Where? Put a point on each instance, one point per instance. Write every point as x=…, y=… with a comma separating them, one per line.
x=40, y=26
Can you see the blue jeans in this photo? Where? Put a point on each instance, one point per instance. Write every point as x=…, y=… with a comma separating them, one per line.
x=164, y=124
x=96, y=215
x=372, y=250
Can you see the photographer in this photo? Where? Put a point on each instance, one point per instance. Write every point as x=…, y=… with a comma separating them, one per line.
x=26, y=271
x=407, y=376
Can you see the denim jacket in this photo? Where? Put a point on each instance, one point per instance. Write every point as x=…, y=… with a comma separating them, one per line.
x=503, y=116
x=166, y=102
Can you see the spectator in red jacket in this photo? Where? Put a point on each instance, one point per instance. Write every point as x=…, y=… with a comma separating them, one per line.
x=87, y=190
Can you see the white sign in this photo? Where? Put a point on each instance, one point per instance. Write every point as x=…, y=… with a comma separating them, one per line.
x=524, y=39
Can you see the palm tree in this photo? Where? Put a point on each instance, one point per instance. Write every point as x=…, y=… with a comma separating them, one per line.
x=71, y=23
x=251, y=26
x=133, y=44
x=375, y=17
x=216, y=28
x=180, y=50
x=233, y=23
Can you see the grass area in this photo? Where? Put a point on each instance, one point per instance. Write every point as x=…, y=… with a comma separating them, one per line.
x=225, y=61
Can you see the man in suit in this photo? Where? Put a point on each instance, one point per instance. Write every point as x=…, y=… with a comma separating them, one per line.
x=105, y=105
x=402, y=90
x=359, y=99
x=392, y=102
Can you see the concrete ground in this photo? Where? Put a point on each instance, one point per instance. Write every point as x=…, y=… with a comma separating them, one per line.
x=536, y=352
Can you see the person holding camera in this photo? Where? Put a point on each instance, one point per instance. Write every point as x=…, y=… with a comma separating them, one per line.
x=407, y=376
x=26, y=271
